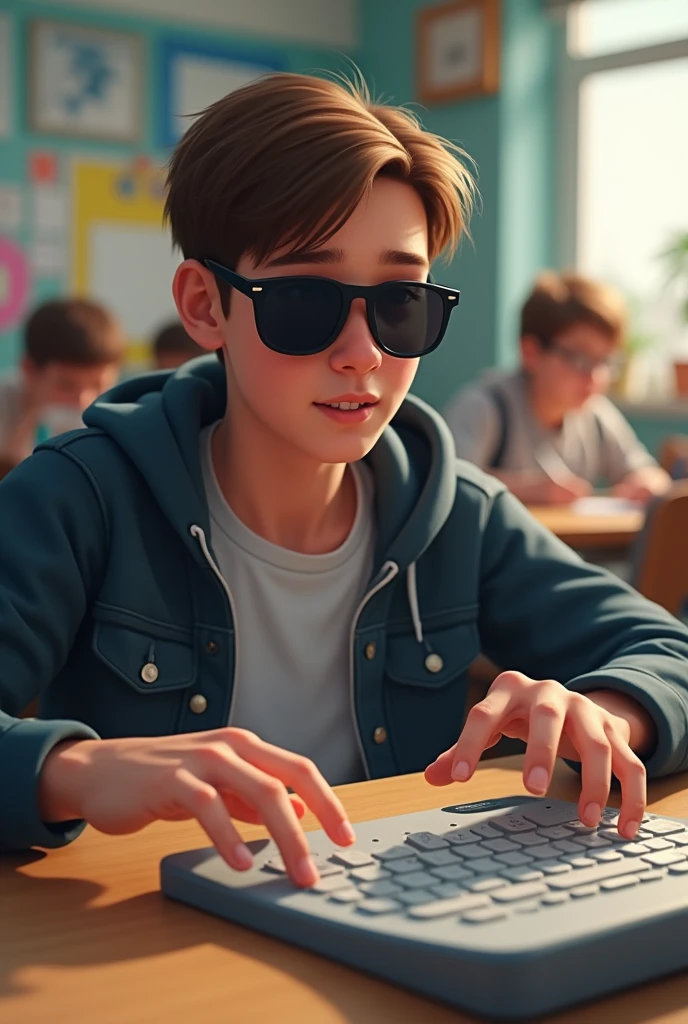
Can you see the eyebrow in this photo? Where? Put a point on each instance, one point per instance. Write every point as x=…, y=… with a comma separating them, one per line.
x=398, y=257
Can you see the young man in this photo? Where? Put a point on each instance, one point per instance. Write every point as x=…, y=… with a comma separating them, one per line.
x=73, y=349
x=547, y=431
x=264, y=573
x=172, y=347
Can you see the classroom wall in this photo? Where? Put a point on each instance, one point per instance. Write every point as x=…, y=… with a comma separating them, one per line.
x=302, y=35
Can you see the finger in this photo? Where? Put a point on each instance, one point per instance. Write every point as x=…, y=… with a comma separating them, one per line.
x=439, y=772
x=268, y=795
x=203, y=802
x=545, y=726
x=482, y=722
x=630, y=771
x=241, y=811
x=301, y=775
x=586, y=731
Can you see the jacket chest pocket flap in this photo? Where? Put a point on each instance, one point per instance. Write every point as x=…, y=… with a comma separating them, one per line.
x=147, y=661
x=446, y=655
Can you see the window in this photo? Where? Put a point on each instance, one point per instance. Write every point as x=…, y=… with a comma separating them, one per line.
x=611, y=26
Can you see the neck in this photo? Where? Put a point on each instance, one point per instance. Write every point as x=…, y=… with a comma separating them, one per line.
x=279, y=493
x=545, y=412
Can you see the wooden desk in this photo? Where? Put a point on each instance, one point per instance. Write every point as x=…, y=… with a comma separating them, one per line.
x=86, y=935
x=584, y=532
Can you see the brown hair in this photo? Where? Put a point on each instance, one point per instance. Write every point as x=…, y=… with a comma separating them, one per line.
x=559, y=301
x=173, y=338
x=75, y=331
x=285, y=160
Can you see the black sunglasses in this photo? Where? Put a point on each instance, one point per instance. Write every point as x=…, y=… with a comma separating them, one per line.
x=299, y=316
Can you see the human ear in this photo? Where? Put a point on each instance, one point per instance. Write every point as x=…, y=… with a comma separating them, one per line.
x=198, y=303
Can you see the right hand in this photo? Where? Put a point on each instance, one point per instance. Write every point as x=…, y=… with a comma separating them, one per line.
x=120, y=786
x=550, y=492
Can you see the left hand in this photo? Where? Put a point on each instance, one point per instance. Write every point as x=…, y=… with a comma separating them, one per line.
x=553, y=721
x=643, y=485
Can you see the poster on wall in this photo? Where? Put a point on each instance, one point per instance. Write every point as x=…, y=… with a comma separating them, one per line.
x=6, y=71
x=194, y=75
x=85, y=82
x=14, y=283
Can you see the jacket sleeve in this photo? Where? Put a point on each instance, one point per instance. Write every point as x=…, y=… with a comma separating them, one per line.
x=52, y=551
x=547, y=613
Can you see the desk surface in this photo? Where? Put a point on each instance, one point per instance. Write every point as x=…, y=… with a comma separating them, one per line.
x=608, y=530
x=87, y=936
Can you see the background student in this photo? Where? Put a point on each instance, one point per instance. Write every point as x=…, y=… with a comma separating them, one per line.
x=73, y=349
x=548, y=430
x=172, y=347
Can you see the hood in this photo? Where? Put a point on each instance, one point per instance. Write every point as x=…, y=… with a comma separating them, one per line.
x=155, y=419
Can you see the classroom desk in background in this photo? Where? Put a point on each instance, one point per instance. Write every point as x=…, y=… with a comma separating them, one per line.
x=616, y=530
x=87, y=936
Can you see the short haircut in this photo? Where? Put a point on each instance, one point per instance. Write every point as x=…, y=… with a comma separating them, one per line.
x=74, y=331
x=173, y=338
x=560, y=301
x=285, y=160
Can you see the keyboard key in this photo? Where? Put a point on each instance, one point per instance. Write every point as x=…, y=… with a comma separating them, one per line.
x=276, y=865
x=663, y=827
x=664, y=858
x=613, y=835
x=592, y=841
x=485, y=830
x=381, y=906
x=658, y=844
x=679, y=868
x=653, y=876
x=579, y=861
x=585, y=890
x=488, y=865
x=462, y=837
x=579, y=828
x=620, y=883
x=417, y=880
x=426, y=841
x=524, y=874
x=414, y=897
x=328, y=868
x=566, y=846
x=484, y=916
x=469, y=853
x=515, y=859
x=606, y=856
x=404, y=865
x=371, y=873
x=633, y=849
x=680, y=839
x=512, y=823
x=555, y=832
x=547, y=814
x=500, y=846
x=330, y=884
x=352, y=858
x=598, y=874
x=485, y=884
x=346, y=896
x=547, y=851
x=383, y=888
x=554, y=867
x=436, y=858
x=445, y=889
x=525, y=891
x=454, y=905
x=392, y=853
x=553, y=898
x=453, y=873
x=527, y=908
x=526, y=839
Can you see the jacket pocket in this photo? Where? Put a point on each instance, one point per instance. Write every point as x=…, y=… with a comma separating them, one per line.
x=146, y=660
x=446, y=654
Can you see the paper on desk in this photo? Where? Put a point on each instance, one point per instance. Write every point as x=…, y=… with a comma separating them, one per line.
x=604, y=505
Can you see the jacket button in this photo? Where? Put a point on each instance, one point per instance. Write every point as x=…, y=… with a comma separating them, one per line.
x=212, y=647
x=370, y=650
x=380, y=734
x=434, y=663
x=149, y=672
x=198, y=703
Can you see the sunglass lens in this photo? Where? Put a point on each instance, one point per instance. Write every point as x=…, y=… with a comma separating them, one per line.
x=299, y=317
x=408, y=318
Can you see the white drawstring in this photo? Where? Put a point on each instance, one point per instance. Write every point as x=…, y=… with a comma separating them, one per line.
x=413, y=602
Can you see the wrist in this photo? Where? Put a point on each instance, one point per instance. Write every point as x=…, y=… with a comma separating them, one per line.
x=59, y=782
x=642, y=731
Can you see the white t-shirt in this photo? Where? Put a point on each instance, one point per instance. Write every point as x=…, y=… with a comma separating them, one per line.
x=294, y=614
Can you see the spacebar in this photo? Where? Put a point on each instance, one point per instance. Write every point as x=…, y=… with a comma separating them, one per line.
x=585, y=876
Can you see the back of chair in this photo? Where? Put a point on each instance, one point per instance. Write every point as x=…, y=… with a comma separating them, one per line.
x=660, y=569
x=673, y=456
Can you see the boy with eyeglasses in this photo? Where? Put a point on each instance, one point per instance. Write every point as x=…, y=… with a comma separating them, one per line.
x=259, y=576
x=548, y=431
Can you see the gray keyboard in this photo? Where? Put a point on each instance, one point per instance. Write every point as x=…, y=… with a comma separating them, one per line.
x=510, y=908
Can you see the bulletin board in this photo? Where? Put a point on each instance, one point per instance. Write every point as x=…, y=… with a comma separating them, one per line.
x=121, y=254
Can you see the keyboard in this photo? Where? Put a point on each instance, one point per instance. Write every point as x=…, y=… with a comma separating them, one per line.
x=509, y=908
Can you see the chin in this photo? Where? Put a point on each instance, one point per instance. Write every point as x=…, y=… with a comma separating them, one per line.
x=350, y=450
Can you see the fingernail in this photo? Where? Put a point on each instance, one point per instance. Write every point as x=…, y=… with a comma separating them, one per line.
x=538, y=779
x=243, y=857
x=592, y=814
x=306, y=872
x=346, y=833
x=631, y=829
x=461, y=771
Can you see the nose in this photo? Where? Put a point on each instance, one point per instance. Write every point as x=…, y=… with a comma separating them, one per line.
x=355, y=349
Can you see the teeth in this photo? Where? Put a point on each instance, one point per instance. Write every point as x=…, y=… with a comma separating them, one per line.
x=345, y=405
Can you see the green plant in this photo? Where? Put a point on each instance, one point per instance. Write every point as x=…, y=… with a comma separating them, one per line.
x=675, y=257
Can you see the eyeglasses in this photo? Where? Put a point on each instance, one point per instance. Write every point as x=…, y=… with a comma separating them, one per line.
x=299, y=316
x=585, y=365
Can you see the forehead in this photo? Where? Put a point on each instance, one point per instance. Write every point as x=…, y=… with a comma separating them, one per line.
x=77, y=372
x=586, y=338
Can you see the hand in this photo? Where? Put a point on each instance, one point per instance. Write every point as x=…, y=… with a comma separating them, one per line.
x=120, y=786
x=563, y=492
x=554, y=722
x=643, y=485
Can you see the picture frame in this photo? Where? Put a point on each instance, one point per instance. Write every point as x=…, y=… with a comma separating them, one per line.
x=85, y=82
x=458, y=49
x=195, y=73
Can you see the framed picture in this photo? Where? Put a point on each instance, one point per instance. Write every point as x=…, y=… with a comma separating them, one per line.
x=196, y=74
x=85, y=82
x=458, y=47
